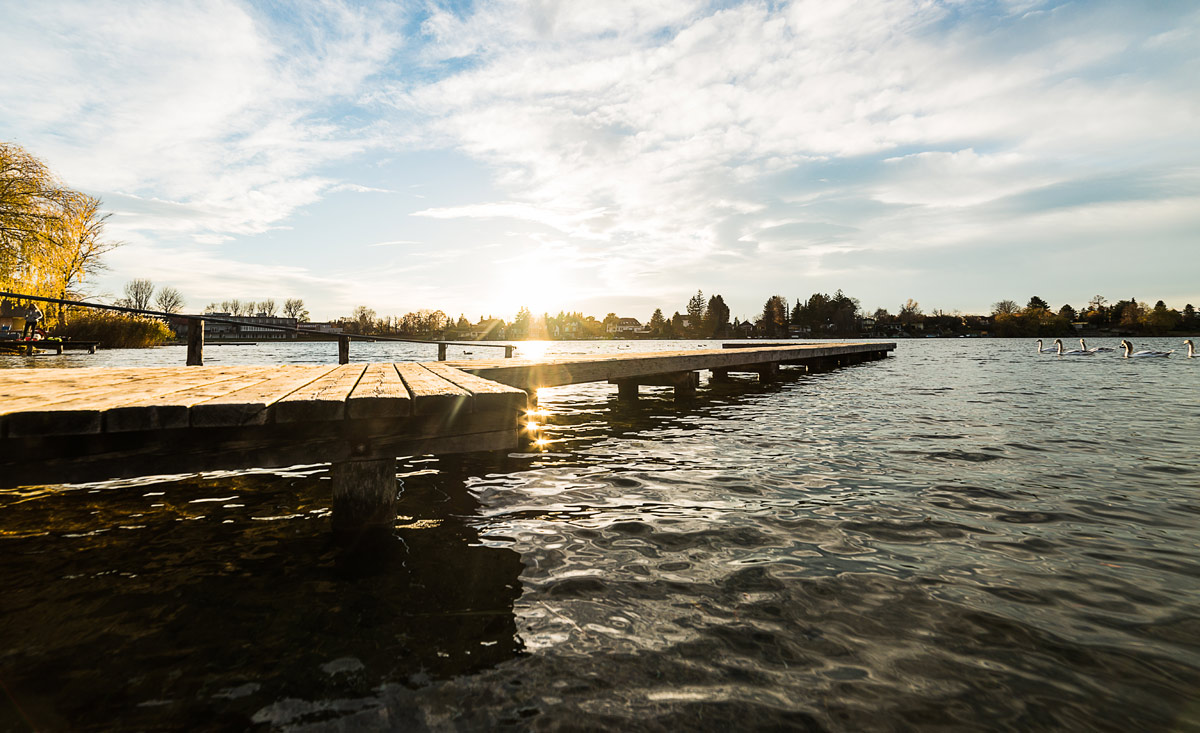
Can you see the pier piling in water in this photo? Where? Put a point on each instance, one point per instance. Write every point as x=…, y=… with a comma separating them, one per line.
x=685, y=384
x=364, y=494
x=195, y=347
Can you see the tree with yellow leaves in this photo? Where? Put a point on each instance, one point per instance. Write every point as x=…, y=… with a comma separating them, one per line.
x=51, y=237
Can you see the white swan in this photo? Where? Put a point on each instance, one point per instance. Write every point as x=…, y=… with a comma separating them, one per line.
x=1073, y=352
x=1191, y=349
x=1094, y=349
x=1131, y=354
x=1046, y=350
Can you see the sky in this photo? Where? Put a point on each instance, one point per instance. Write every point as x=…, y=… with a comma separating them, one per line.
x=618, y=156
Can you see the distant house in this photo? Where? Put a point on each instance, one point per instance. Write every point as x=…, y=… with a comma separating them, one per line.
x=626, y=325
x=321, y=327
x=488, y=329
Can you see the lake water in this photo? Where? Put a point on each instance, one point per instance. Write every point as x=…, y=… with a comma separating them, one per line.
x=966, y=535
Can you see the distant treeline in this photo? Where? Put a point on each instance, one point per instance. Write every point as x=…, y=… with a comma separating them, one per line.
x=820, y=315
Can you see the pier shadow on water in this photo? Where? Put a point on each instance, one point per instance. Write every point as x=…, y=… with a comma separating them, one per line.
x=226, y=603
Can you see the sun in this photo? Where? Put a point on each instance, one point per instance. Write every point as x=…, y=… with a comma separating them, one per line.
x=543, y=286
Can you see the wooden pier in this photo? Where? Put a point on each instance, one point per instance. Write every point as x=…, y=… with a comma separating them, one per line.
x=678, y=369
x=90, y=424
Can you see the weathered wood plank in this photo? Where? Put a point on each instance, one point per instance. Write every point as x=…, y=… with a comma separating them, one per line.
x=432, y=393
x=28, y=389
x=488, y=395
x=165, y=403
x=323, y=399
x=249, y=405
x=379, y=393
x=80, y=410
x=89, y=414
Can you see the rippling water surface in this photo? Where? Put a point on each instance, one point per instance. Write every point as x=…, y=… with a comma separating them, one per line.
x=967, y=535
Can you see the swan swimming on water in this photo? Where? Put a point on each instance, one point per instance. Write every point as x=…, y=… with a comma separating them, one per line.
x=1045, y=350
x=1094, y=349
x=1073, y=352
x=1191, y=349
x=1131, y=354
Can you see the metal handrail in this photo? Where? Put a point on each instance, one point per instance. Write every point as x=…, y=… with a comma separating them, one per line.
x=344, y=338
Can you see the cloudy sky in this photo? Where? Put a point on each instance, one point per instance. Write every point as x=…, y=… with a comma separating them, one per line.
x=604, y=155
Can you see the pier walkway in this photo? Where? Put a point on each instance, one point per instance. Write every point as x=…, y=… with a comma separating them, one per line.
x=679, y=369
x=90, y=424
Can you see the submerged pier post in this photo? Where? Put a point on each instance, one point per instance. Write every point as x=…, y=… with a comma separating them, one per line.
x=364, y=494
x=441, y=352
x=686, y=384
x=768, y=372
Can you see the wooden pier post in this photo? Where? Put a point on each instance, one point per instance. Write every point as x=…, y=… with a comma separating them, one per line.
x=720, y=375
x=195, y=352
x=441, y=352
x=364, y=494
x=686, y=384
x=768, y=372
x=343, y=349
x=508, y=352
x=627, y=390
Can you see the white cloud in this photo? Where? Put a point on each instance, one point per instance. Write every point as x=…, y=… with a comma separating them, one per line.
x=207, y=104
x=689, y=136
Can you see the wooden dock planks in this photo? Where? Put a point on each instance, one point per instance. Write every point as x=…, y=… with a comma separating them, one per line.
x=323, y=398
x=534, y=373
x=59, y=402
x=70, y=425
x=249, y=405
x=379, y=393
x=76, y=402
x=433, y=394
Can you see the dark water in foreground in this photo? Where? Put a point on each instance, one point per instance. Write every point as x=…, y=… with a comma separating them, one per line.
x=964, y=536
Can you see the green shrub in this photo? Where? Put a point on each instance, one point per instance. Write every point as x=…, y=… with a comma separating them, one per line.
x=115, y=330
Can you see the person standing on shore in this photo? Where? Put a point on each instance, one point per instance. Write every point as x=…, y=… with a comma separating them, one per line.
x=33, y=314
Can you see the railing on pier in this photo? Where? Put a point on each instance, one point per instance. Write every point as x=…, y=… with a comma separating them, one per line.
x=195, y=350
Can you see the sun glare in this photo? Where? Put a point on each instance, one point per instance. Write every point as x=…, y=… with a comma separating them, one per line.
x=544, y=287
x=532, y=349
